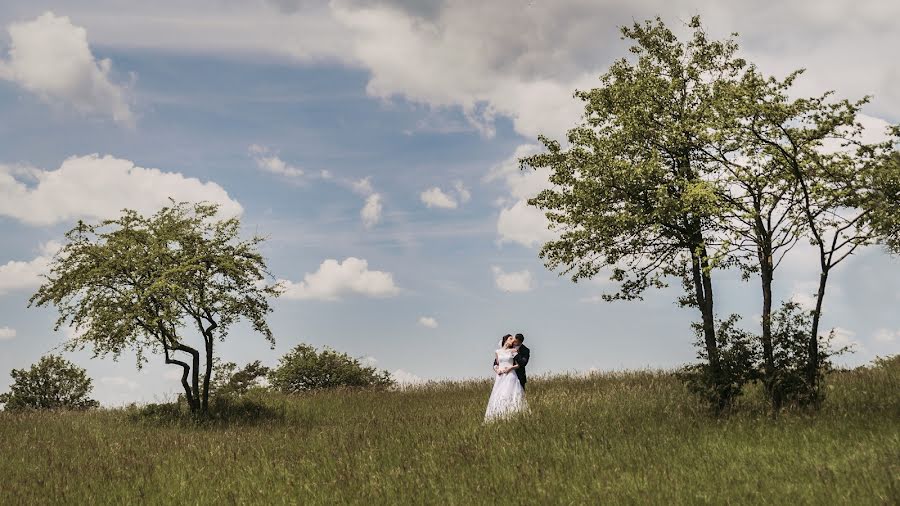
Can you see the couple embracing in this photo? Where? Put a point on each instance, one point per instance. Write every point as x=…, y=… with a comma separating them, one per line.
x=508, y=395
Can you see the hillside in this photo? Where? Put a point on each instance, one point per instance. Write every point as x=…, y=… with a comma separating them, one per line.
x=605, y=439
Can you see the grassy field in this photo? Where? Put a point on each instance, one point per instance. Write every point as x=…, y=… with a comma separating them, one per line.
x=625, y=438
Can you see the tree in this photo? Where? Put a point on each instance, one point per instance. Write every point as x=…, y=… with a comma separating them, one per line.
x=52, y=383
x=633, y=191
x=140, y=283
x=819, y=147
x=760, y=204
x=304, y=368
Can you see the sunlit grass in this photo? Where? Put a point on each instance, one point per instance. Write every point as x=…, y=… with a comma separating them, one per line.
x=605, y=439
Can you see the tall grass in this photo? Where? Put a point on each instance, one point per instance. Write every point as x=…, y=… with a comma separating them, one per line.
x=628, y=438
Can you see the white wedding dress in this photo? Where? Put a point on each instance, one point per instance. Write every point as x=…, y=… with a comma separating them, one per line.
x=508, y=396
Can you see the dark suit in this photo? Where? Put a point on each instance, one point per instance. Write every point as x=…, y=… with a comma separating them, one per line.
x=521, y=360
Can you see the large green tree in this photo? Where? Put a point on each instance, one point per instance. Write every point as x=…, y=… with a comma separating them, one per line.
x=149, y=284
x=760, y=211
x=632, y=192
x=820, y=150
x=52, y=383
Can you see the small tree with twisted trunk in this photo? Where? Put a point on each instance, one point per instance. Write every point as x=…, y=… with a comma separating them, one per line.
x=140, y=283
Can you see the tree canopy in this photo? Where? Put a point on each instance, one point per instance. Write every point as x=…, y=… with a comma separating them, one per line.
x=147, y=283
x=52, y=383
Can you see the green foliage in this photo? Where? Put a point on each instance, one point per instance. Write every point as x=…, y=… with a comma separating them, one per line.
x=229, y=380
x=617, y=438
x=139, y=283
x=304, y=368
x=742, y=361
x=792, y=327
x=630, y=193
x=637, y=191
x=52, y=383
x=739, y=357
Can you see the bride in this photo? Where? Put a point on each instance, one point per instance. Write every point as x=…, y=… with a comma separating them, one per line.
x=508, y=395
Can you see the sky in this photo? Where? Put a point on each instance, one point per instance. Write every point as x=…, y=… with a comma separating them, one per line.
x=374, y=144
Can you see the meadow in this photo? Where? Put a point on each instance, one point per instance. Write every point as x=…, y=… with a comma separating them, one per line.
x=615, y=438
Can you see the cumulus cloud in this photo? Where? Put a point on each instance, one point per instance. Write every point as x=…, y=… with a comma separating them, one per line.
x=511, y=58
x=519, y=281
x=7, y=333
x=335, y=279
x=519, y=222
x=371, y=211
x=405, y=379
x=96, y=187
x=25, y=275
x=269, y=162
x=435, y=197
x=51, y=58
x=428, y=321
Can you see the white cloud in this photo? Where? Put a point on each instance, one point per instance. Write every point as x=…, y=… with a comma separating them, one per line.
x=7, y=333
x=405, y=379
x=435, y=197
x=51, y=58
x=519, y=281
x=368, y=361
x=361, y=186
x=24, y=275
x=335, y=279
x=464, y=194
x=519, y=222
x=96, y=187
x=507, y=57
x=844, y=337
x=524, y=224
x=371, y=211
x=269, y=162
x=428, y=321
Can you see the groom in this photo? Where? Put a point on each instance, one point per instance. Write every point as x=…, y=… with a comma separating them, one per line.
x=521, y=358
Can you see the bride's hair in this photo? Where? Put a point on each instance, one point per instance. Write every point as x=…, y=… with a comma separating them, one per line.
x=504, y=339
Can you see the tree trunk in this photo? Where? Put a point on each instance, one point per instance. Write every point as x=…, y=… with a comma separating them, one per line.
x=188, y=393
x=208, y=373
x=195, y=375
x=812, y=367
x=767, y=274
x=703, y=289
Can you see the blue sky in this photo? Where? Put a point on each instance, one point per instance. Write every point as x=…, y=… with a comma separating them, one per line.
x=412, y=248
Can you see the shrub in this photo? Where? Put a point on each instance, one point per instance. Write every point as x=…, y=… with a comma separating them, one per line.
x=790, y=339
x=304, y=368
x=52, y=383
x=229, y=380
x=739, y=354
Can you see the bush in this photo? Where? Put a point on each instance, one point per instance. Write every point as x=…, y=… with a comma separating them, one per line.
x=304, y=368
x=52, y=383
x=790, y=338
x=739, y=355
x=741, y=361
x=223, y=410
x=229, y=380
